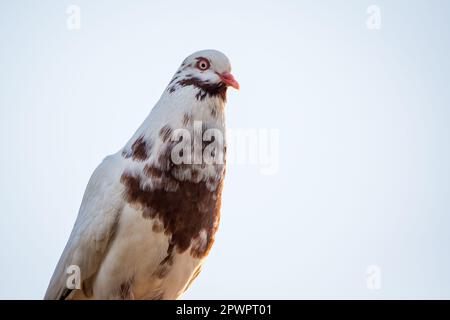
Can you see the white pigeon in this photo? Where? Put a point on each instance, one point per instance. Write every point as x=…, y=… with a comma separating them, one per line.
x=149, y=213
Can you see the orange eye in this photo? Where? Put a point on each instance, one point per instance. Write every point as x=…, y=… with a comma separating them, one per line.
x=203, y=64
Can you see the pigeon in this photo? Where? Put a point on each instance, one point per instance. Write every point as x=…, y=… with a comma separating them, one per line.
x=150, y=212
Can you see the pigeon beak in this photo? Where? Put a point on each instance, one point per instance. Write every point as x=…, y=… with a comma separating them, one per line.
x=229, y=80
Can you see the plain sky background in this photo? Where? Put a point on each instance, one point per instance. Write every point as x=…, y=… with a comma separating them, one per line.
x=363, y=117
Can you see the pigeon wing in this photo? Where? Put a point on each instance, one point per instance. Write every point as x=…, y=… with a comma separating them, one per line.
x=93, y=230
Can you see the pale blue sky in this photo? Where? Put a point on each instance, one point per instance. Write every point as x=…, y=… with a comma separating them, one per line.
x=363, y=117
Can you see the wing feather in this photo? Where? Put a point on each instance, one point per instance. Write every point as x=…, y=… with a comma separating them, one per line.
x=93, y=230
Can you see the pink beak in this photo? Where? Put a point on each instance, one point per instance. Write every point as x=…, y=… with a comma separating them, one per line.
x=229, y=80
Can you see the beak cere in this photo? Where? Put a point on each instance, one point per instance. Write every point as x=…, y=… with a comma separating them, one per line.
x=229, y=80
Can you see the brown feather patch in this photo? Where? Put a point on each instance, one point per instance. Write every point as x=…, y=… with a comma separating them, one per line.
x=165, y=133
x=126, y=291
x=140, y=150
x=187, y=119
x=183, y=213
x=205, y=88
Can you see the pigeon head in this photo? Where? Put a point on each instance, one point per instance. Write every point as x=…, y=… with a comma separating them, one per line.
x=210, y=66
x=207, y=70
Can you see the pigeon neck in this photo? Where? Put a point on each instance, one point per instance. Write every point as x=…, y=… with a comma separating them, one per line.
x=180, y=110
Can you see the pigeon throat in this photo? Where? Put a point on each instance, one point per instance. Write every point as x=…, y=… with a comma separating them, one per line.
x=205, y=87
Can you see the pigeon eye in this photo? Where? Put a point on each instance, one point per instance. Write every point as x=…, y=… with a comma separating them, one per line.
x=203, y=64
